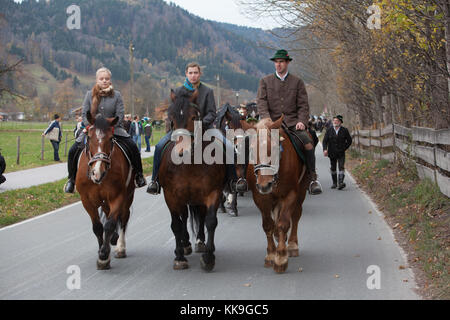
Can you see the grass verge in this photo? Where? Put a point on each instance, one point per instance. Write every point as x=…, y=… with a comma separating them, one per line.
x=22, y=204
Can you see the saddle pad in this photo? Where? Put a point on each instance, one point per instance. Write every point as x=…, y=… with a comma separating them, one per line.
x=296, y=142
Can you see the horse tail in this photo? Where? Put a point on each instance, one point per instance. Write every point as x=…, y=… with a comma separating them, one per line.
x=194, y=218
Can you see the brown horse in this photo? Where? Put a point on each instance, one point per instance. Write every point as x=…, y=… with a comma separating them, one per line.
x=198, y=186
x=278, y=193
x=105, y=179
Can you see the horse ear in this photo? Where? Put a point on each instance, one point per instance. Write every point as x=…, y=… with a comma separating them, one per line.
x=277, y=124
x=89, y=117
x=172, y=95
x=193, y=97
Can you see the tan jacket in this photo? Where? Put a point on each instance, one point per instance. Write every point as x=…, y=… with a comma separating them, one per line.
x=289, y=97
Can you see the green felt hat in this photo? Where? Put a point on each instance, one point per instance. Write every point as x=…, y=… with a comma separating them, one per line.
x=281, y=54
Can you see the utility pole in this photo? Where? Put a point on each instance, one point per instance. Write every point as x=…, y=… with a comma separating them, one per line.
x=131, y=48
x=218, y=91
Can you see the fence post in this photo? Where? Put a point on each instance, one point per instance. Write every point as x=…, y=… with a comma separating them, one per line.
x=359, y=144
x=65, y=147
x=393, y=141
x=381, y=144
x=18, y=150
x=42, y=147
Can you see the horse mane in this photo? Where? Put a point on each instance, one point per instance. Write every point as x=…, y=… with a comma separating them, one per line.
x=235, y=116
x=263, y=124
x=181, y=101
x=101, y=122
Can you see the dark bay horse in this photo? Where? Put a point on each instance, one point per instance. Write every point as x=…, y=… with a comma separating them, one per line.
x=229, y=118
x=105, y=179
x=197, y=186
x=279, y=194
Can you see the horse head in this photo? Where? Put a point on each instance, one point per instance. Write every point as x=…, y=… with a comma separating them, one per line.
x=183, y=113
x=99, y=145
x=266, y=172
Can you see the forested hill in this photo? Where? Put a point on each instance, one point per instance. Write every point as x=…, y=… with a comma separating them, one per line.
x=165, y=37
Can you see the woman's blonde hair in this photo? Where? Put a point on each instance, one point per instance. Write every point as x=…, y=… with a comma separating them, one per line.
x=103, y=69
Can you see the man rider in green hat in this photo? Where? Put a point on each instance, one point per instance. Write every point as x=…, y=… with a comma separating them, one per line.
x=283, y=93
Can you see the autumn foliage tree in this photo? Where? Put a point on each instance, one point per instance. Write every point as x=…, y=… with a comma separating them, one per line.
x=389, y=59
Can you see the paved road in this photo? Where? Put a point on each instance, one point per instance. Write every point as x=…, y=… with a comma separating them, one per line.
x=36, y=176
x=338, y=241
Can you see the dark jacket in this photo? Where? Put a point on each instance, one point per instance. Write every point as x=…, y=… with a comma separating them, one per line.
x=289, y=97
x=206, y=104
x=148, y=130
x=132, y=131
x=336, y=144
x=54, y=124
x=109, y=107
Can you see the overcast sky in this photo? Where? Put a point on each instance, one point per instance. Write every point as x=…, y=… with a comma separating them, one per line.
x=222, y=11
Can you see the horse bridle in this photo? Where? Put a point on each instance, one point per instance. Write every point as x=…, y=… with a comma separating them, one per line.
x=266, y=166
x=99, y=156
x=184, y=132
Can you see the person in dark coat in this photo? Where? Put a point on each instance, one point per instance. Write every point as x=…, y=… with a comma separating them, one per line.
x=336, y=141
x=207, y=106
x=55, y=143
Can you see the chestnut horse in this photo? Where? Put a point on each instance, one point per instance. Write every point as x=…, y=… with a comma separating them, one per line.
x=197, y=186
x=278, y=193
x=105, y=179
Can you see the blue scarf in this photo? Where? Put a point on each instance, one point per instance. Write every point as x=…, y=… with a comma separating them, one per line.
x=188, y=85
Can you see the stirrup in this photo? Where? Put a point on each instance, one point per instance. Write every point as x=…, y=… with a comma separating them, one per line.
x=319, y=188
x=152, y=190
x=246, y=184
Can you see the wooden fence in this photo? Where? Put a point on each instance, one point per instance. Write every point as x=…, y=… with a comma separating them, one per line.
x=428, y=148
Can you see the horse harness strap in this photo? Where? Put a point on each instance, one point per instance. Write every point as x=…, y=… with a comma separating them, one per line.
x=99, y=156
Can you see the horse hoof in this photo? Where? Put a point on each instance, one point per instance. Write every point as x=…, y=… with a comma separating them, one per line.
x=114, y=239
x=233, y=213
x=221, y=210
x=200, y=247
x=293, y=253
x=121, y=254
x=207, y=266
x=103, y=264
x=187, y=250
x=268, y=263
x=180, y=265
x=280, y=268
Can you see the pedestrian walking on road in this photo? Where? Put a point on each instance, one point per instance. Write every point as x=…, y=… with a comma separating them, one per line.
x=336, y=141
x=136, y=132
x=147, y=133
x=53, y=132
